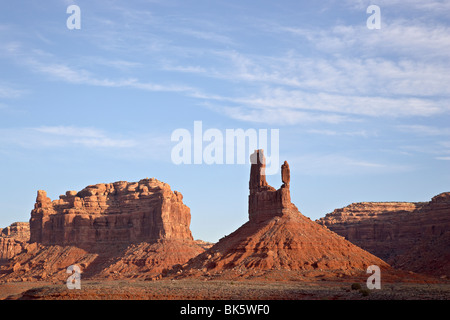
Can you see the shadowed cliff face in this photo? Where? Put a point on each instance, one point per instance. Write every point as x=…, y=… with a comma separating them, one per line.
x=120, y=212
x=410, y=236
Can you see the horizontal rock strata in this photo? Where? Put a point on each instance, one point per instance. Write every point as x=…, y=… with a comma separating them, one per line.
x=411, y=236
x=119, y=212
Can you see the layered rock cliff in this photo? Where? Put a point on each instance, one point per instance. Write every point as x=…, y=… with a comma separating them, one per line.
x=411, y=236
x=119, y=212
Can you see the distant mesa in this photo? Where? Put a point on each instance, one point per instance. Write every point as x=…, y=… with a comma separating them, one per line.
x=13, y=239
x=412, y=236
x=278, y=237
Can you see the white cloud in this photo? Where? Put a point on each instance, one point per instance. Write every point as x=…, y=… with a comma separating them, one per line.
x=278, y=116
x=62, y=136
x=401, y=71
x=425, y=130
x=438, y=7
x=204, y=35
x=358, y=86
x=275, y=104
x=337, y=164
x=70, y=131
x=407, y=38
x=8, y=92
x=88, y=137
x=84, y=77
x=38, y=62
x=122, y=65
x=325, y=132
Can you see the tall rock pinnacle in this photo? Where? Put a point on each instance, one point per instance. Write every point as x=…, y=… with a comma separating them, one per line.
x=265, y=201
x=285, y=174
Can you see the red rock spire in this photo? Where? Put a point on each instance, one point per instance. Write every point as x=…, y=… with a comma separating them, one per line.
x=258, y=171
x=265, y=201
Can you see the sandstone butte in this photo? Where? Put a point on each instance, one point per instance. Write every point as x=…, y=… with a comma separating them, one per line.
x=277, y=241
x=113, y=230
x=409, y=236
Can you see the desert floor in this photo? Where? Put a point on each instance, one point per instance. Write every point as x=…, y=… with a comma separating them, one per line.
x=189, y=289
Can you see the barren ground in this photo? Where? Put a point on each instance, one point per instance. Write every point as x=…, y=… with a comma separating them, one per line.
x=189, y=289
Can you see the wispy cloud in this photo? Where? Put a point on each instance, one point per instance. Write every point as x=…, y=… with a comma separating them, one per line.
x=401, y=71
x=424, y=130
x=81, y=76
x=132, y=146
x=277, y=105
x=119, y=64
x=375, y=87
x=39, y=62
x=337, y=164
x=8, y=92
x=400, y=37
x=277, y=116
x=205, y=35
x=326, y=132
x=62, y=136
x=438, y=7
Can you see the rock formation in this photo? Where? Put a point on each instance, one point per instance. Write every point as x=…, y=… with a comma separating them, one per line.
x=119, y=212
x=285, y=174
x=13, y=239
x=264, y=201
x=410, y=236
x=115, y=230
x=20, y=231
x=278, y=238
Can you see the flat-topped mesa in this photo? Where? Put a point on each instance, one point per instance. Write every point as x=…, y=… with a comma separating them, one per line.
x=264, y=201
x=111, y=213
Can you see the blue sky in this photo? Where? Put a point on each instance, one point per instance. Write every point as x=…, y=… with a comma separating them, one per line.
x=363, y=114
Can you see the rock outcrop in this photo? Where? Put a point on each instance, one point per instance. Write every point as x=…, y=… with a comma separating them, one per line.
x=278, y=238
x=119, y=212
x=13, y=238
x=410, y=236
